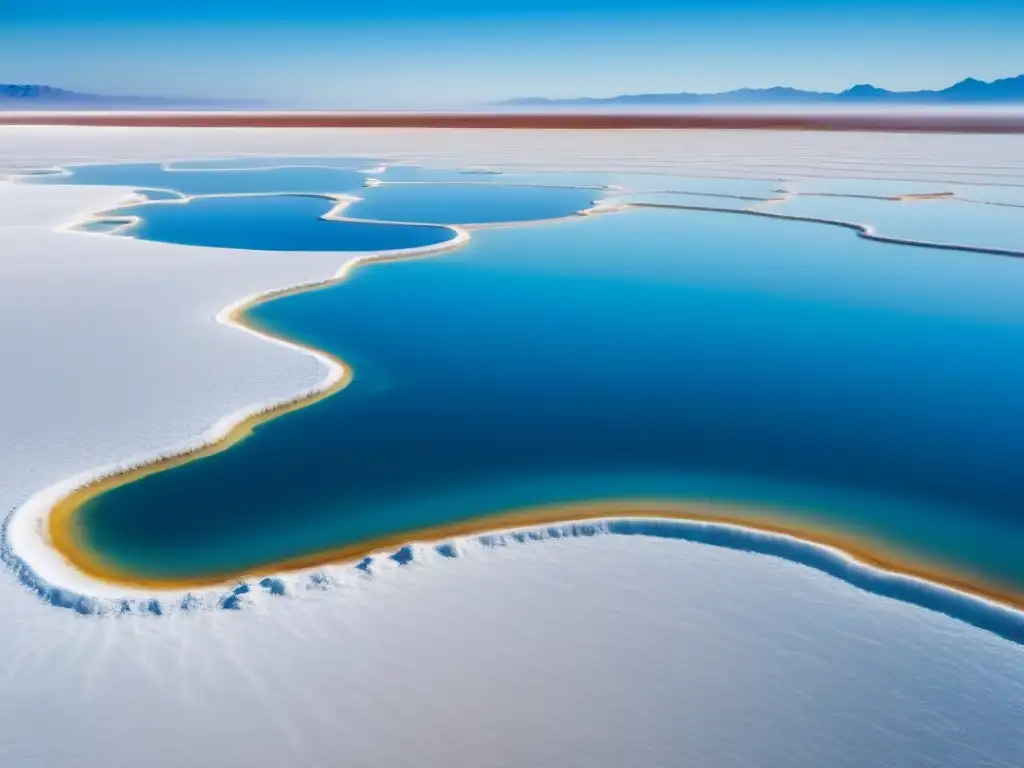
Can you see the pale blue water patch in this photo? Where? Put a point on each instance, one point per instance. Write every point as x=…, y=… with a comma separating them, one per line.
x=706, y=185
x=868, y=187
x=991, y=193
x=152, y=175
x=400, y=172
x=683, y=198
x=270, y=223
x=787, y=366
x=656, y=182
x=950, y=178
x=469, y=203
x=265, y=161
x=939, y=221
x=154, y=195
x=100, y=226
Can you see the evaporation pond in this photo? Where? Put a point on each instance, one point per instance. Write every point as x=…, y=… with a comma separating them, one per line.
x=270, y=223
x=857, y=385
x=469, y=203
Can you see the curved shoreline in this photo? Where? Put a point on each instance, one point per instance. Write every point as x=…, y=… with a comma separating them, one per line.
x=752, y=520
x=342, y=201
x=37, y=537
x=71, y=577
x=866, y=231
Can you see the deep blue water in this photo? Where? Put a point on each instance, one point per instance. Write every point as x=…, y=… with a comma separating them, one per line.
x=475, y=203
x=270, y=223
x=873, y=388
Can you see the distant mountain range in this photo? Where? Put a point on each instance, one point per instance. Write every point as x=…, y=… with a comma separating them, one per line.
x=969, y=91
x=47, y=97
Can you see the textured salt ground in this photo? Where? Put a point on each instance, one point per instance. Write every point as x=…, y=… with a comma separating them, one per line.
x=24, y=206
x=582, y=652
x=585, y=652
x=965, y=159
x=110, y=346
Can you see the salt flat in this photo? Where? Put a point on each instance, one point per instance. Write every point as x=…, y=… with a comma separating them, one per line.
x=573, y=654
x=584, y=652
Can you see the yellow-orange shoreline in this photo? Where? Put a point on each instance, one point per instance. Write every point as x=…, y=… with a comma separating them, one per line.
x=63, y=525
x=852, y=545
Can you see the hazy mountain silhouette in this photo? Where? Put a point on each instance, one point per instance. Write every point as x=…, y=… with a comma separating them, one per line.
x=47, y=97
x=969, y=91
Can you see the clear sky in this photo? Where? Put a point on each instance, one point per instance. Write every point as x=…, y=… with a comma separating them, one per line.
x=423, y=53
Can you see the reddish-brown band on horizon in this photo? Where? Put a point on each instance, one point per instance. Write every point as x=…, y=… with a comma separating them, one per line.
x=891, y=121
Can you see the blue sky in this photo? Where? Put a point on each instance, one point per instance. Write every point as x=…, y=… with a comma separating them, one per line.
x=453, y=53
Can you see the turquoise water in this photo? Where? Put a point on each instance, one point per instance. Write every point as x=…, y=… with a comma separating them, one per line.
x=469, y=203
x=874, y=388
x=269, y=223
x=151, y=175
